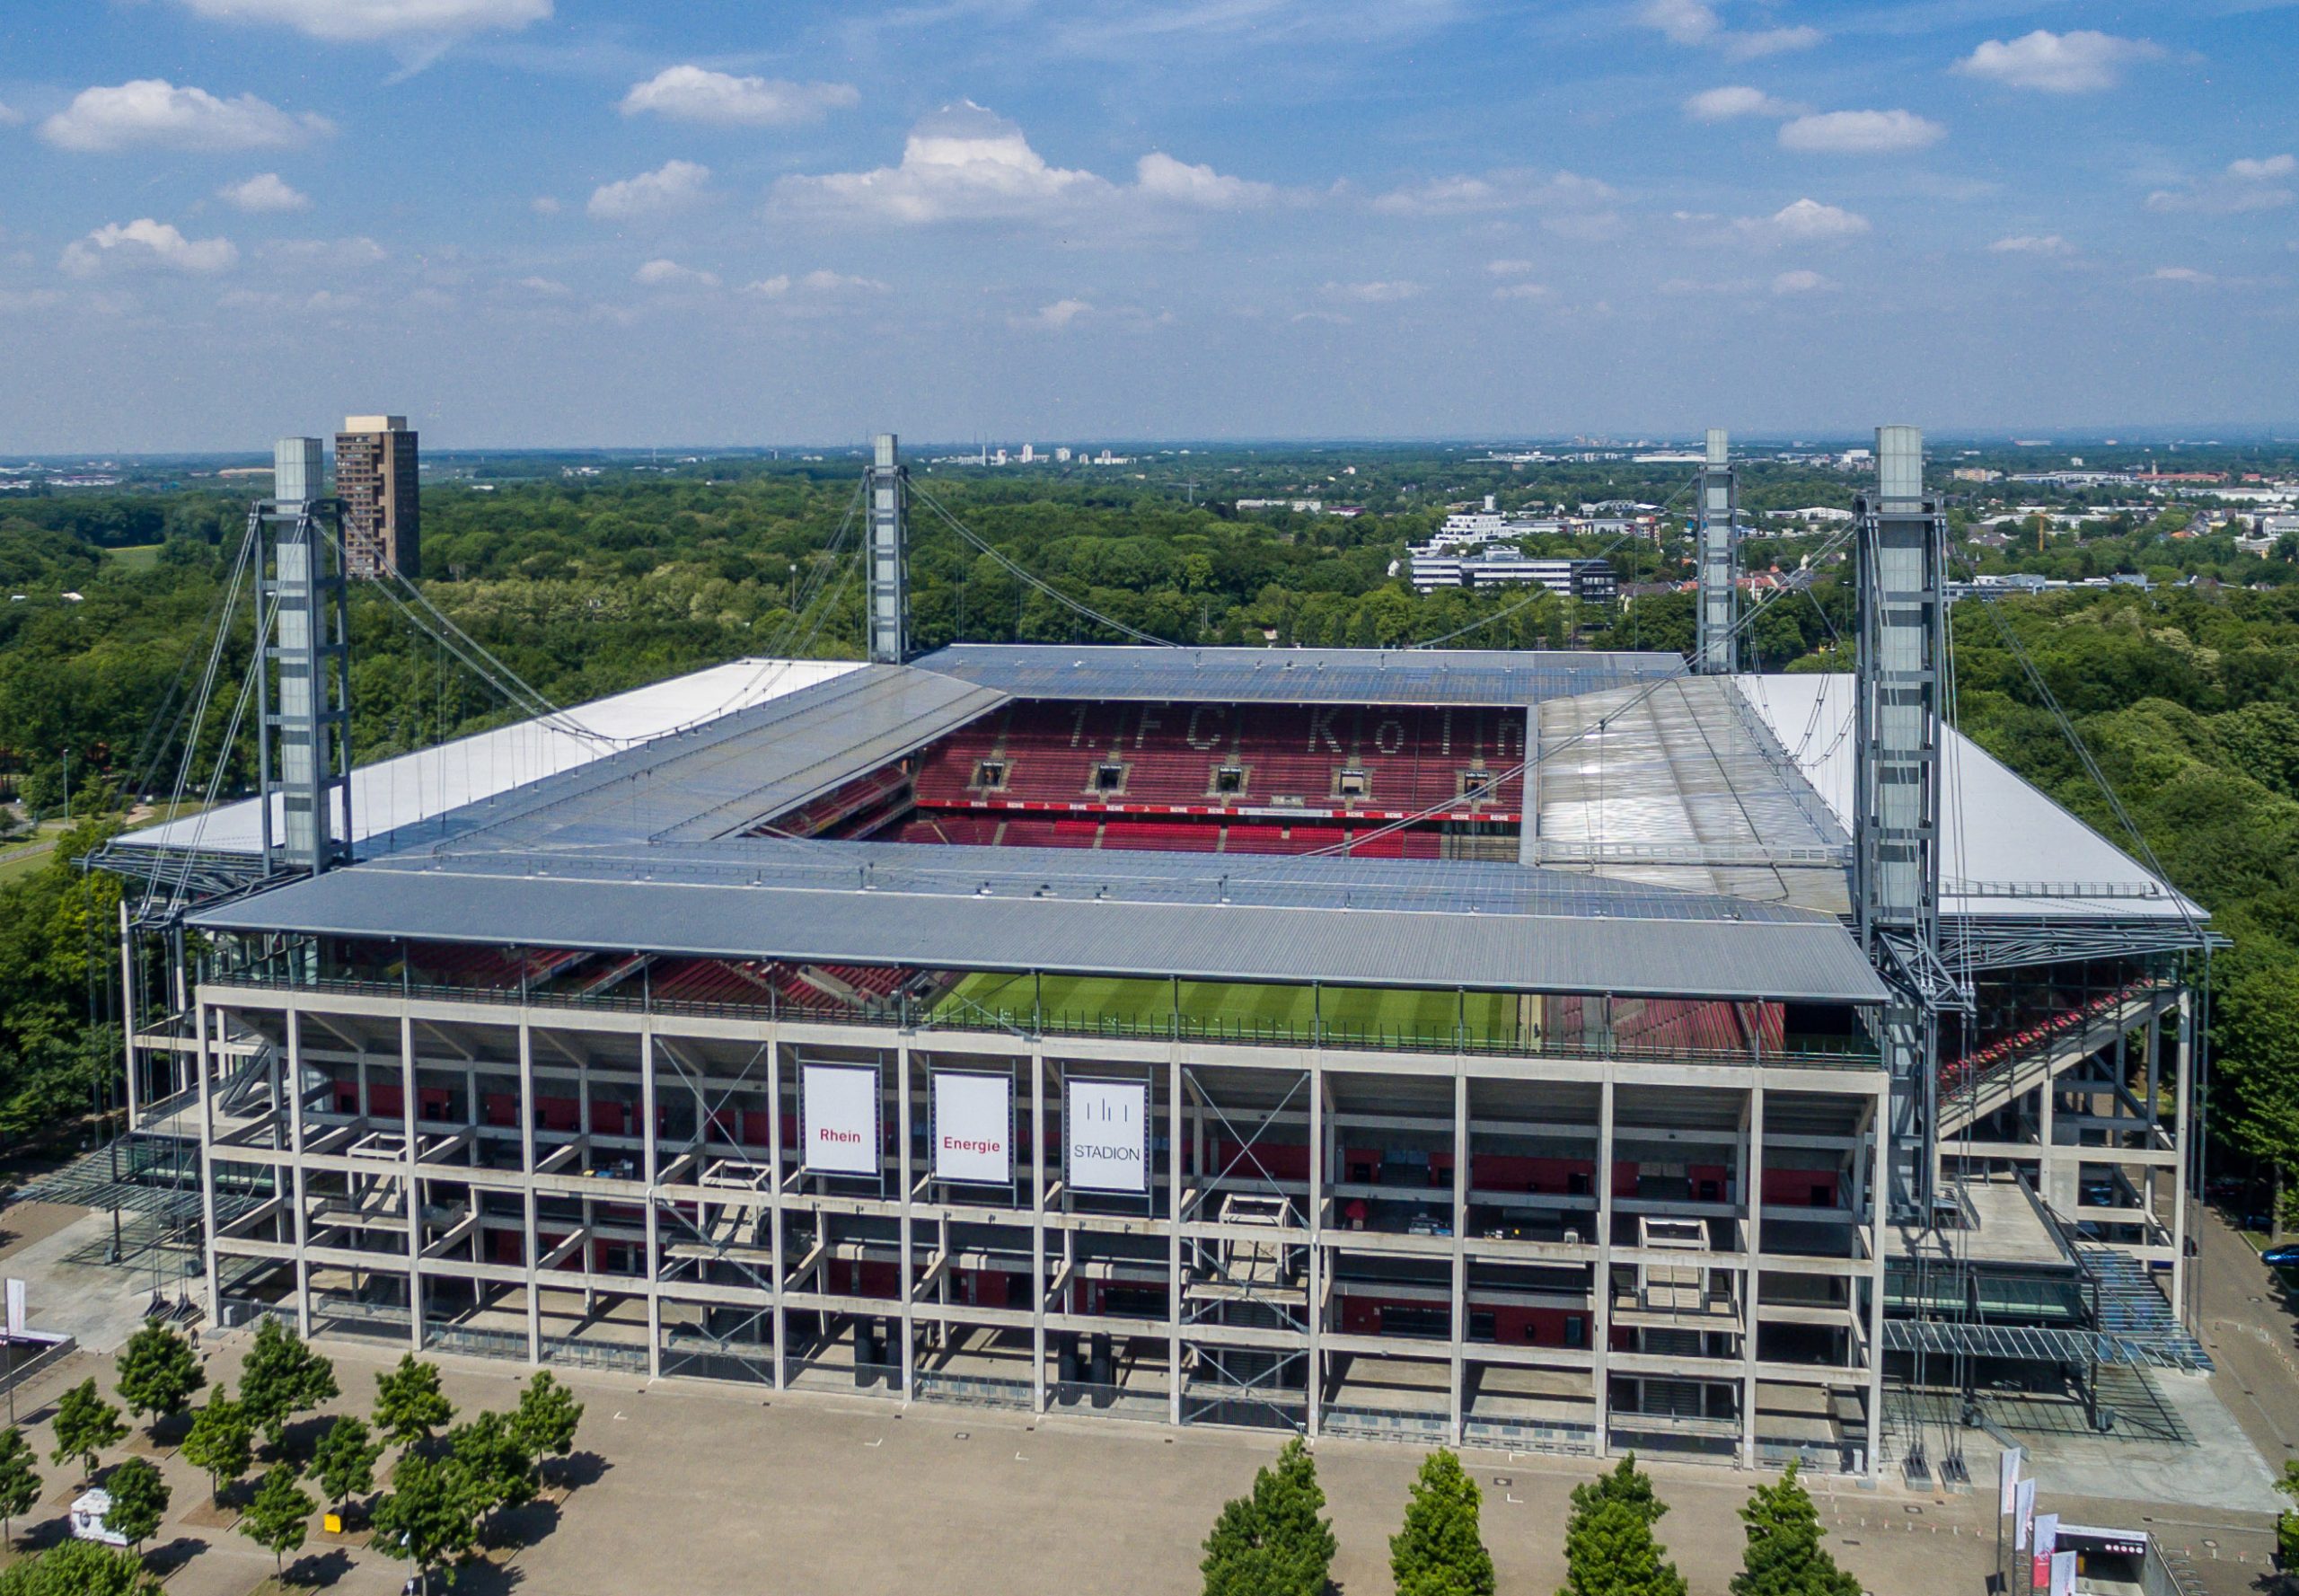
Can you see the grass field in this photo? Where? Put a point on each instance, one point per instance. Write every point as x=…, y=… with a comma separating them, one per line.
x=1098, y=1003
x=137, y=557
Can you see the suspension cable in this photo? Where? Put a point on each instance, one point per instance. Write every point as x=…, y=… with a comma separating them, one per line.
x=1051, y=592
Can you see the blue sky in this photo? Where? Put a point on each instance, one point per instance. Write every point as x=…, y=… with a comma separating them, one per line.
x=570, y=222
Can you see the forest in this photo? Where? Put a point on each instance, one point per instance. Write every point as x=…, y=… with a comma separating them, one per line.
x=2185, y=692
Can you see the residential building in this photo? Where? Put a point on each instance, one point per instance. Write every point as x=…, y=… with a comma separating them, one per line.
x=375, y=479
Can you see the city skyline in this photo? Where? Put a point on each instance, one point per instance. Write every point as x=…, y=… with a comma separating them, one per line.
x=528, y=225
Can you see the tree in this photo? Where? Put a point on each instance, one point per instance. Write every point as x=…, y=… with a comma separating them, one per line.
x=1784, y=1557
x=1609, y=1547
x=1272, y=1542
x=344, y=1464
x=158, y=1371
x=79, y=1568
x=139, y=1501
x=278, y=1517
x=221, y=1441
x=498, y=1465
x=546, y=1418
x=20, y=1482
x=85, y=1423
x=428, y=1516
x=409, y=1404
x=282, y=1378
x=1440, y=1551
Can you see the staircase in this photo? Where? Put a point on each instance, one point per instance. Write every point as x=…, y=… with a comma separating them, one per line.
x=2009, y=1079
x=2130, y=1306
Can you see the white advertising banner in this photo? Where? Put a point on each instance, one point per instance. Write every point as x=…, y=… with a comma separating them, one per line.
x=16, y=1317
x=2063, y=1573
x=2024, y=1513
x=974, y=1127
x=2007, y=1476
x=1106, y=1125
x=840, y=1109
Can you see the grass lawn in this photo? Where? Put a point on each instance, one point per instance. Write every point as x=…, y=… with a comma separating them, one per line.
x=1119, y=1004
x=137, y=557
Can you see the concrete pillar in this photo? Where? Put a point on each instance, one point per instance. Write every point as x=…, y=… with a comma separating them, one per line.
x=650, y=1155
x=906, y=1221
x=2184, y=1090
x=780, y=1318
x=1752, y=1201
x=299, y=1231
x=1457, y=1372
x=1173, y=1231
x=207, y=1165
x=407, y=1106
x=1038, y=1228
x=530, y=1243
x=1314, y=1318
x=1600, y=1318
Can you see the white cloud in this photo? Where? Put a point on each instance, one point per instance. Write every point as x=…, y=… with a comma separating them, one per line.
x=672, y=186
x=1803, y=221
x=1159, y=176
x=1737, y=99
x=1508, y=269
x=2032, y=244
x=265, y=191
x=2262, y=168
x=1860, y=132
x=17, y=301
x=1771, y=42
x=549, y=287
x=963, y=164
x=9, y=116
x=1377, y=293
x=544, y=204
x=1521, y=291
x=1696, y=23
x=153, y=111
x=365, y=20
x=1056, y=317
x=821, y=280
x=1802, y=281
x=2250, y=183
x=2181, y=274
x=145, y=242
x=1510, y=189
x=2057, y=63
x=331, y=254
x=670, y=274
x=689, y=94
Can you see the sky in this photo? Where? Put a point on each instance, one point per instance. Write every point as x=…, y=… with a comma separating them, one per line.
x=577, y=223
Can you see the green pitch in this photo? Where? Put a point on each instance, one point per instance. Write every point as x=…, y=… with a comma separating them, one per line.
x=1117, y=1004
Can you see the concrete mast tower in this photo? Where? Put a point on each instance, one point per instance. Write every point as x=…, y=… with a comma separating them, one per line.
x=304, y=689
x=1900, y=561
x=888, y=609
x=1717, y=557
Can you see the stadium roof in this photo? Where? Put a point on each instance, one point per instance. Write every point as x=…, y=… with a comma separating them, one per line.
x=1293, y=675
x=395, y=801
x=1688, y=836
x=1391, y=923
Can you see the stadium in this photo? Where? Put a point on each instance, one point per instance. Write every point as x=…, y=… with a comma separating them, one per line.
x=1554, y=1051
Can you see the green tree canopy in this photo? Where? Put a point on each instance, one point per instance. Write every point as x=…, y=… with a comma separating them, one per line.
x=85, y=1424
x=1440, y=1550
x=344, y=1463
x=546, y=1418
x=409, y=1402
x=281, y=1377
x=79, y=1568
x=1273, y=1542
x=495, y=1461
x=429, y=1516
x=158, y=1371
x=20, y=1482
x=1609, y=1547
x=221, y=1441
x=278, y=1516
x=1784, y=1556
x=139, y=1501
